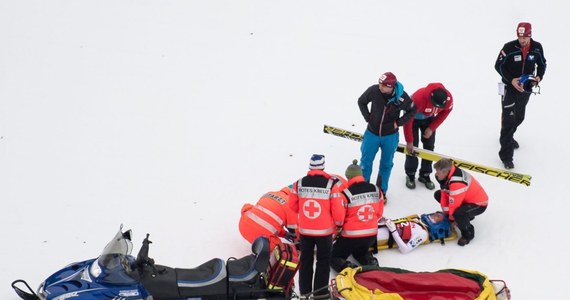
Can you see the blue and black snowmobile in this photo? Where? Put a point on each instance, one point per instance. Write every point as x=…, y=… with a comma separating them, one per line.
x=116, y=275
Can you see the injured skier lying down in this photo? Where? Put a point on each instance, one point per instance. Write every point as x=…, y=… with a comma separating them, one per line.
x=409, y=232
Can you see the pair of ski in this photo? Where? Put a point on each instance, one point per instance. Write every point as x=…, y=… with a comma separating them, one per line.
x=523, y=179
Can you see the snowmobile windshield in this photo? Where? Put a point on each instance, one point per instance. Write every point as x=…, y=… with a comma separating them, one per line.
x=120, y=244
x=114, y=263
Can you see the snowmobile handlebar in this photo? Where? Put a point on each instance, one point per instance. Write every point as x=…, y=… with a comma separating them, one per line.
x=142, y=257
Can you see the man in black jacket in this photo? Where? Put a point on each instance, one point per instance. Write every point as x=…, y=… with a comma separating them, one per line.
x=517, y=63
x=384, y=117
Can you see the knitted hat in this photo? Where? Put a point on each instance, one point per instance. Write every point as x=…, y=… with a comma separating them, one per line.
x=317, y=162
x=353, y=170
x=524, y=30
x=438, y=98
x=388, y=79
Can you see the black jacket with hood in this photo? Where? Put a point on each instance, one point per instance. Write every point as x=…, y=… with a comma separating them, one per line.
x=386, y=109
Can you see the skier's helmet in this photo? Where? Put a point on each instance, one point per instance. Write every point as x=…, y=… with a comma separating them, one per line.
x=438, y=98
x=528, y=82
x=438, y=230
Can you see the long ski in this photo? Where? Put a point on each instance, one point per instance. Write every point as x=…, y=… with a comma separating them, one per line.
x=523, y=179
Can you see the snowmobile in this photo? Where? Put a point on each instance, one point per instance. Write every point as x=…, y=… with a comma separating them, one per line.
x=117, y=275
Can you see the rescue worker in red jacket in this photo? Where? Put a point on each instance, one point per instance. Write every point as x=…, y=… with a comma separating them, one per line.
x=461, y=197
x=268, y=217
x=316, y=199
x=364, y=207
x=433, y=103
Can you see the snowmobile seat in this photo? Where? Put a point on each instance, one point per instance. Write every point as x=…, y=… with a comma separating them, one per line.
x=206, y=279
x=172, y=283
x=248, y=267
x=244, y=274
x=260, y=249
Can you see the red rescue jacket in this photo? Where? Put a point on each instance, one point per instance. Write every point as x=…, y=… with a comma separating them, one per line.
x=460, y=187
x=316, y=199
x=272, y=213
x=364, y=207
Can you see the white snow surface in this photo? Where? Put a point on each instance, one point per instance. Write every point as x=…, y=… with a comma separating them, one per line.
x=168, y=116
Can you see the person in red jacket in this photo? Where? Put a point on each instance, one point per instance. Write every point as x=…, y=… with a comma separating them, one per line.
x=268, y=217
x=364, y=207
x=433, y=103
x=316, y=199
x=461, y=197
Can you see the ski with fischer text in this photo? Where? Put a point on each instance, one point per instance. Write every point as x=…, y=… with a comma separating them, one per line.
x=523, y=179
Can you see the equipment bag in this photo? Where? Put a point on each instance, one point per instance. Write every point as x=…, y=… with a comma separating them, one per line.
x=382, y=283
x=283, y=265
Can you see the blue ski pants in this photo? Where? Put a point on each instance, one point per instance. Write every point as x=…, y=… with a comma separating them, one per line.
x=369, y=147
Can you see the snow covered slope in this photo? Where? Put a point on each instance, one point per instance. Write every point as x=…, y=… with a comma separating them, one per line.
x=167, y=116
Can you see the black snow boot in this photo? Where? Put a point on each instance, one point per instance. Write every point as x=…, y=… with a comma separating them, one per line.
x=411, y=182
x=426, y=181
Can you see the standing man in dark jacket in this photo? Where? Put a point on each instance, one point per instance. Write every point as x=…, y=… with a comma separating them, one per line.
x=388, y=100
x=517, y=60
